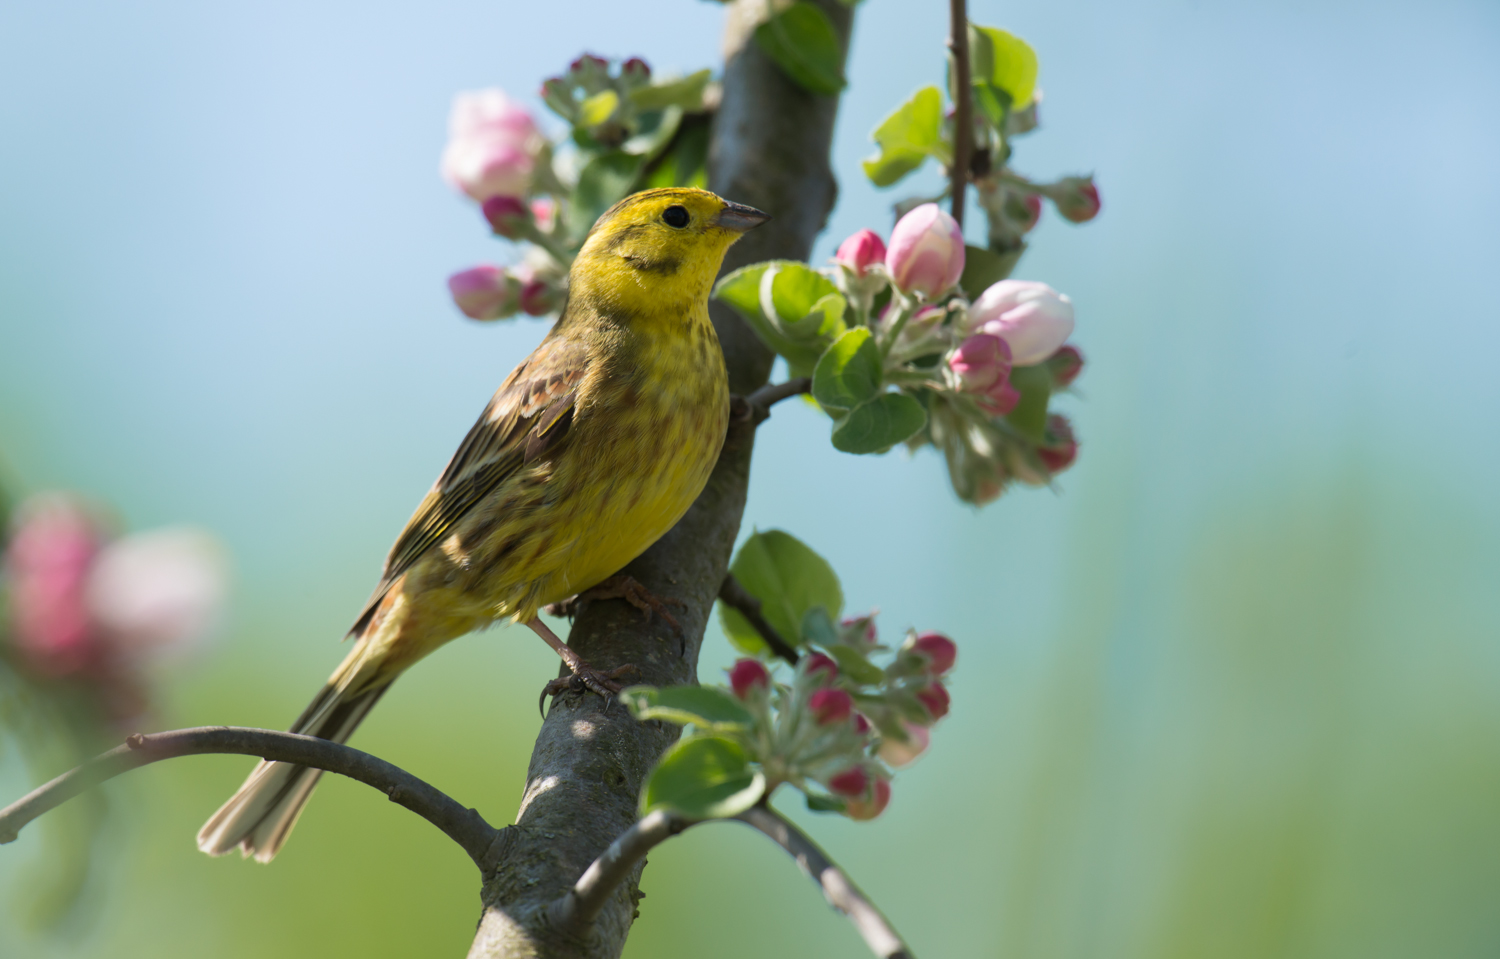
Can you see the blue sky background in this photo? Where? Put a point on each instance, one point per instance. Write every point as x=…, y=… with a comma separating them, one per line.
x=1233, y=689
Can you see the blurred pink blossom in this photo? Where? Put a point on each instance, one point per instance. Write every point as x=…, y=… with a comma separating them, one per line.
x=493, y=144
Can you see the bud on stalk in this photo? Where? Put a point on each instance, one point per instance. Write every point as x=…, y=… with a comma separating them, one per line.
x=747, y=675
x=1032, y=318
x=485, y=292
x=926, y=253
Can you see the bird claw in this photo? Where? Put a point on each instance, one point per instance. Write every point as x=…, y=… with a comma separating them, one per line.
x=584, y=678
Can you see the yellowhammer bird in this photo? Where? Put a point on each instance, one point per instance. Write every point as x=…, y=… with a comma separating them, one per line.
x=590, y=450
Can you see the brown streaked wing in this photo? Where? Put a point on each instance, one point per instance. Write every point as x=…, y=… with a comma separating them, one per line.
x=527, y=416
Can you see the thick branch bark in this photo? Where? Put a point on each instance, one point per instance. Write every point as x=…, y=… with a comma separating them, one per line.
x=769, y=148
x=464, y=826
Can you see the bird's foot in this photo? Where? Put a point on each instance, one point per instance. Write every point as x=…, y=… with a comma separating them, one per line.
x=620, y=586
x=584, y=678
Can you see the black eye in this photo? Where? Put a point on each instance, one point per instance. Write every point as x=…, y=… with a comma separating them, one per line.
x=675, y=216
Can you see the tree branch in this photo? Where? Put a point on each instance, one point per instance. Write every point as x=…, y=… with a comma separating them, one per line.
x=841, y=893
x=583, y=903
x=963, y=107
x=734, y=595
x=773, y=393
x=464, y=826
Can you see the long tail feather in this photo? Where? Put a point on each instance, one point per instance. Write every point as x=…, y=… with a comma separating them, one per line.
x=258, y=818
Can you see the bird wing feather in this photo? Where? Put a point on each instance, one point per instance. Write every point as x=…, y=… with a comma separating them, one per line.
x=528, y=416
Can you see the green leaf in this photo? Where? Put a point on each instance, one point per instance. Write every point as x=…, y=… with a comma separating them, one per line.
x=685, y=162
x=598, y=108
x=876, y=426
x=653, y=132
x=704, y=706
x=685, y=92
x=855, y=666
x=801, y=41
x=602, y=183
x=1004, y=61
x=791, y=290
x=741, y=290
x=984, y=268
x=1030, y=415
x=848, y=373
x=908, y=137
x=825, y=321
x=704, y=777
x=789, y=579
x=817, y=627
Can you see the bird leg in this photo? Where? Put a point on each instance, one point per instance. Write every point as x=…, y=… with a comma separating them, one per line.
x=584, y=675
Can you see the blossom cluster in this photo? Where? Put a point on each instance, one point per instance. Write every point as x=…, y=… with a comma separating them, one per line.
x=972, y=376
x=623, y=125
x=94, y=612
x=839, y=726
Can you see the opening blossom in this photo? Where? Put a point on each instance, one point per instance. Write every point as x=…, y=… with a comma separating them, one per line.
x=493, y=144
x=1032, y=318
x=926, y=253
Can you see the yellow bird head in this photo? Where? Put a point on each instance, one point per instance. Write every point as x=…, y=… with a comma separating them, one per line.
x=657, y=248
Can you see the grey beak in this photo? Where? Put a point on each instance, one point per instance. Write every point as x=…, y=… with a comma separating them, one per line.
x=740, y=218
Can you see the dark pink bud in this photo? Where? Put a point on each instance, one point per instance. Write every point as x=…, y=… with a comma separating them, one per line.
x=865, y=625
x=938, y=650
x=748, y=674
x=861, y=251
x=934, y=698
x=1033, y=206
x=1065, y=365
x=824, y=665
x=1077, y=198
x=999, y=399
x=507, y=215
x=538, y=298
x=851, y=782
x=829, y=706
x=588, y=61
x=861, y=724
x=635, y=68
x=52, y=550
x=864, y=808
x=1060, y=448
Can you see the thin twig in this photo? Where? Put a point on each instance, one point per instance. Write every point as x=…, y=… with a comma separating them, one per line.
x=582, y=904
x=464, y=826
x=769, y=395
x=738, y=598
x=963, y=107
x=841, y=893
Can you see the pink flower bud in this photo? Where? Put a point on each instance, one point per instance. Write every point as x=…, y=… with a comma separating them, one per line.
x=635, y=69
x=934, y=698
x=926, y=255
x=1031, y=203
x=47, y=562
x=748, y=674
x=937, y=650
x=1076, y=197
x=829, y=706
x=901, y=752
x=1000, y=399
x=980, y=362
x=868, y=808
x=822, y=667
x=484, y=292
x=507, y=215
x=851, y=782
x=1065, y=365
x=861, y=724
x=861, y=251
x=540, y=294
x=1060, y=448
x=589, y=63
x=865, y=627
x=1031, y=317
x=492, y=146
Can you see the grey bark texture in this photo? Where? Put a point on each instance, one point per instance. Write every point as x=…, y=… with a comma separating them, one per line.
x=770, y=149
